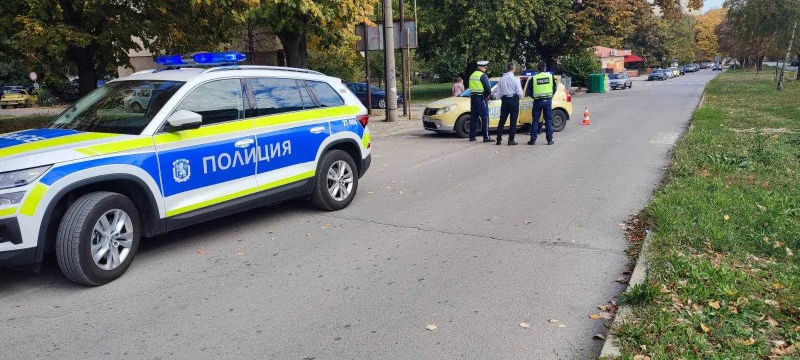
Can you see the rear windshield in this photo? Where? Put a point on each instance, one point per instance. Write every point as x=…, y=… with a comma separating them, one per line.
x=119, y=107
x=616, y=76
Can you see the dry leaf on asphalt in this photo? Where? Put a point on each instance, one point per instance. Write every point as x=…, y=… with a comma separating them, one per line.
x=16, y=305
x=599, y=336
x=605, y=315
x=431, y=327
x=622, y=280
x=705, y=328
x=524, y=325
x=603, y=307
x=714, y=304
x=553, y=320
x=201, y=252
x=594, y=316
x=240, y=254
x=562, y=325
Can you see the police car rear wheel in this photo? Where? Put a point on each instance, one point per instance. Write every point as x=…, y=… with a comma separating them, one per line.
x=98, y=238
x=337, y=181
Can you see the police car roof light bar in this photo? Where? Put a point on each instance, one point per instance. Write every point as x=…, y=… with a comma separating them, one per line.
x=201, y=59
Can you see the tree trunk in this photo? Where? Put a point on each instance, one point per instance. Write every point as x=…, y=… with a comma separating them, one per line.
x=84, y=60
x=294, y=46
x=788, y=53
x=251, y=46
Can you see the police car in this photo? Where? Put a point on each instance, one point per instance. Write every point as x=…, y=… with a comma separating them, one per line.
x=214, y=138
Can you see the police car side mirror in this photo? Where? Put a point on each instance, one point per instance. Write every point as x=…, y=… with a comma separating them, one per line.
x=184, y=120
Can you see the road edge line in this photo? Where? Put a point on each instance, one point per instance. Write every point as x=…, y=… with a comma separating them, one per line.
x=625, y=312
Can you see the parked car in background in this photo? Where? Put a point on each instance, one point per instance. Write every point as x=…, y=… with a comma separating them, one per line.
x=377, y=95
x=717, y=67
x=675, y=71
x=692, y=68
x=620, y=81
x=658, y=74
x=796, y=63
x=682, y=70
x=17, y=97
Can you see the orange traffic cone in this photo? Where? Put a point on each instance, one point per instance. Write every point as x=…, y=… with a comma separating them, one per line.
x=586, y=117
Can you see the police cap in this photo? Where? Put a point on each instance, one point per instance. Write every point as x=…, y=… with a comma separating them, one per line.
x=482, y=63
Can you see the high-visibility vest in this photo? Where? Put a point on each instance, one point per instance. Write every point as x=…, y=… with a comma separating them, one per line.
x=543, y=85
x=475, y=84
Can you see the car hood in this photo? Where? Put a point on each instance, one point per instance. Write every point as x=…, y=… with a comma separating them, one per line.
x=455, y=100
x=31, y=148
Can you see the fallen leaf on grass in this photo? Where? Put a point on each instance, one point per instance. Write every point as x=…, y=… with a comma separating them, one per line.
x=748, y=342
x=641, y=357
x=726, y=217
x=599, y=336
x=789, y=252
x=761, y=207
x=705, y=328
x=777, y=244
x=714, y=304
x=431, y=327
x=790, y=350
x=766, y=239
x=771, y=303
x=772, y=322
x=524, y=325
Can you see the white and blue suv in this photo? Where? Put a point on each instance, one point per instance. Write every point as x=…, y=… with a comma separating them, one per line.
x=208, y=142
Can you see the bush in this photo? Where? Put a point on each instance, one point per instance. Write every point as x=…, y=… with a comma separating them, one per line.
x=579, y=66
x=46, y=98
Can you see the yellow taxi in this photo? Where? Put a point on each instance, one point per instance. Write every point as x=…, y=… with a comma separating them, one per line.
x=17, y=97
x=453, y=114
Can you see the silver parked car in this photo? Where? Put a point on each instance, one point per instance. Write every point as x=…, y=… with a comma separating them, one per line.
x=620, y=81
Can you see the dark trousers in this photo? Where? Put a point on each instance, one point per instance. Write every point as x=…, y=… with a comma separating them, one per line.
x=542, y=106
x=509, y=106
x=479, y=107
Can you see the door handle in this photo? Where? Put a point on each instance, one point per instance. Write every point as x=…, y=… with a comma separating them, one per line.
x=317, y=130
x=243, y=143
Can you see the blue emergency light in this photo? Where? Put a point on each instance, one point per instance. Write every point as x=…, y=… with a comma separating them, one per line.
x=201, y=58
x=528, y=73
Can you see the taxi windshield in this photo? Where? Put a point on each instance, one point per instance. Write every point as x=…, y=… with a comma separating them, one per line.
x=120, y=107
x=466, y=93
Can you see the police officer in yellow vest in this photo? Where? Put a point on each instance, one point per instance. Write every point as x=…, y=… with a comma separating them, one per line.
x=479, y=90
x=544, y=87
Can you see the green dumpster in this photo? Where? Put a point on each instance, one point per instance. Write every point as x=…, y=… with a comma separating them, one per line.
x=597, y=83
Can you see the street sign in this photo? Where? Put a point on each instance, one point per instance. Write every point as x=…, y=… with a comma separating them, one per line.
x=406, y=39
x=33, y=76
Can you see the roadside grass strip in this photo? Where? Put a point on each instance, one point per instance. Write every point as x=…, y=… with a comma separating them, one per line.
x=11, y=124
x=724, y=262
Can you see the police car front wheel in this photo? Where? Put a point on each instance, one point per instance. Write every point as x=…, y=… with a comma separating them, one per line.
x=98, y=238
x=337, y=181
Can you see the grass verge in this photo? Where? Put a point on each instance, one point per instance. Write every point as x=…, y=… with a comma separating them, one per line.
x=724, y=277
x=425, y=93
x=10, y=124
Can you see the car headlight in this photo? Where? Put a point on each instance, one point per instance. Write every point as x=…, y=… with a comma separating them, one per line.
x=18, y=178
x=445, y=109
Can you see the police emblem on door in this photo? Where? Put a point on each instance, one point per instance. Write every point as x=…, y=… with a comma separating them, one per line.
x=181, y=170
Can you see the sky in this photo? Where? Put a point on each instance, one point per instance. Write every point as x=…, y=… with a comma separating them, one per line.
x=711, y=4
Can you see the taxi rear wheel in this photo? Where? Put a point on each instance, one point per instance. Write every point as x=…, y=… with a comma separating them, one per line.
x=462, y=125
x=559, y=120
x=336, y=182
x=98, y=238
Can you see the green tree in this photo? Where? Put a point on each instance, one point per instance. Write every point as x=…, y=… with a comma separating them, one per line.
x=580, y=65
x=96, y=35
x=331, y=22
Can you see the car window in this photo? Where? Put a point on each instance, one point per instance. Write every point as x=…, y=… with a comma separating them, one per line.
x=217, y=101
x=111, y=108
x=325, y=94
x=308, y=101
x=275, y=96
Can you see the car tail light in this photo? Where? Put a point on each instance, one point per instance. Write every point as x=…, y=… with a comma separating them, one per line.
x=569, y=96
x=364, y=120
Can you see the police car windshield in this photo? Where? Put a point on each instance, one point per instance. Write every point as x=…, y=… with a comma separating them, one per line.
x=120, y=107
x=466, y=93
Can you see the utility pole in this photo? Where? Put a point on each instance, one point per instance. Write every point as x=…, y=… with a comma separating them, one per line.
x=366, y=70
x=788, y=54
x=404, y=58
x=388, y=48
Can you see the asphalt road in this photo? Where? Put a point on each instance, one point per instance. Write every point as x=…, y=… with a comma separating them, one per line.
x=474, y=238
x=788, y=67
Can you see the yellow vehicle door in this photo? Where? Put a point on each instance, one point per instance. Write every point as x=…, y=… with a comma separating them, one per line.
x=494, y=112
x=526, y=103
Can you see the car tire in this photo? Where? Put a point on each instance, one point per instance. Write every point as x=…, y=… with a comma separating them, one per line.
x=2, y=106
x=382, y=104
x=462, y=125
x=630, y=86
x=326, y=195
x=559, y=120
x=136, y=107
x=76, y=238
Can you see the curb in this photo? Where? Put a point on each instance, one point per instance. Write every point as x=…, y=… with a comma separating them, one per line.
x=625, y=312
